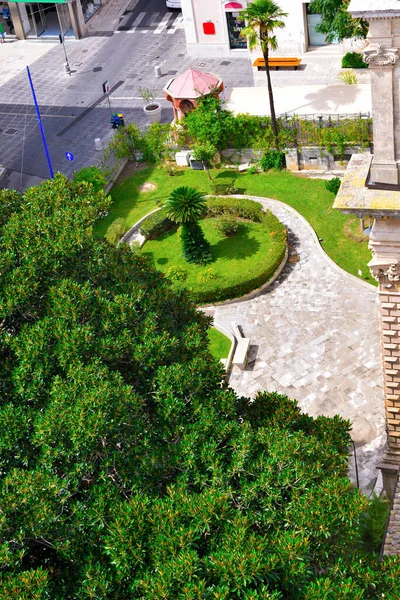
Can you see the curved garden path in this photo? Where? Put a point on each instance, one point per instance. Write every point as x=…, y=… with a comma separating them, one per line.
x=315, y=337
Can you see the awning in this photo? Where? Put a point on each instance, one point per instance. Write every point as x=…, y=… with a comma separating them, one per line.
x=234, y=6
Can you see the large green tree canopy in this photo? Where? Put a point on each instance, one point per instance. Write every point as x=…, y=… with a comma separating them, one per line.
x=337, y=23
x=127, y=470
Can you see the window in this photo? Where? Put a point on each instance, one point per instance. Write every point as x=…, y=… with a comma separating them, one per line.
x=235, y=26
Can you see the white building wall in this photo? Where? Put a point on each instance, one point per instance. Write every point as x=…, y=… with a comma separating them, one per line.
x=291, y=40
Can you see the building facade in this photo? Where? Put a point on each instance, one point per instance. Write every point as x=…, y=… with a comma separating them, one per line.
x=213, y=27
x=49, y=19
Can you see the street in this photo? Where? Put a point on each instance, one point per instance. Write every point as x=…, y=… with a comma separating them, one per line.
x=74, y=109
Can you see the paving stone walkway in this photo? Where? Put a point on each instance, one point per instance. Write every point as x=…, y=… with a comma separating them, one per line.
x=315, y=337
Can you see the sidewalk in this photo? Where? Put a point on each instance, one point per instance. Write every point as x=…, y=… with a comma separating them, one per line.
x=15, y=55
x=302, y=99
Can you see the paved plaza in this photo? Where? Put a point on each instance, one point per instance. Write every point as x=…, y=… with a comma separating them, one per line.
x=315, y=337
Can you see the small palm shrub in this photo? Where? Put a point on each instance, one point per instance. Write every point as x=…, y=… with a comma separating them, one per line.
x=349, y=77
x=228, y=225
x=195, y=247
x=186, y=206
x=333, y=185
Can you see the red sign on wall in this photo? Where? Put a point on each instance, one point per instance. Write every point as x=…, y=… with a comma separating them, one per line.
x=209, y=28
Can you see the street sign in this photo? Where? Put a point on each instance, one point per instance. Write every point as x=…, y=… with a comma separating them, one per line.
x=69, y=156
x=106, y=87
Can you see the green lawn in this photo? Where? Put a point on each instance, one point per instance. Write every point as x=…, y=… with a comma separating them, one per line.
x=241, y=263
x=308, y=197
x=219, y=343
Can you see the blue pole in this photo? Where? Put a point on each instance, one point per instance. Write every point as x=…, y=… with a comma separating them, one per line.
x=40, y=124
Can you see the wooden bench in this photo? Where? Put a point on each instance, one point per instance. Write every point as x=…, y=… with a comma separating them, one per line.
x=242, y=348
x=286, y=61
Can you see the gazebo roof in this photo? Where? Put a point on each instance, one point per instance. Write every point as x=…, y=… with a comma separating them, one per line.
x=192, y=84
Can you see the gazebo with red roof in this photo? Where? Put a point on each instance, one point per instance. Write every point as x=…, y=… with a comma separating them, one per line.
x=185, y=90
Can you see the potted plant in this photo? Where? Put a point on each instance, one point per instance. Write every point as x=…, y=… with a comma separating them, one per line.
x=152, y=109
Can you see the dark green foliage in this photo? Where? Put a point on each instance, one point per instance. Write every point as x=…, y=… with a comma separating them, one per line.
x=333, y=185
x=273, y=159
x=185, y=205
x=243, y=208
x=211, y=121
x=92, y=175
x=156, y=224
x=127, y=471
x=373, y=523
x=337, y=23
x=195, y=247
x=353, y=60
x=132, y=144
x=228, y=224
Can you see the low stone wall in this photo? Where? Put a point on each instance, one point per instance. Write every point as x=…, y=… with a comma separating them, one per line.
x=297, y=159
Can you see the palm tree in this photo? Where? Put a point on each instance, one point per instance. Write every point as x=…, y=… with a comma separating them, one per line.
x=262, y=17
x=186, y=206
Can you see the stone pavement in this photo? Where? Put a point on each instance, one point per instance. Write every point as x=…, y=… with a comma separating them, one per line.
x=315, y=337
x=73, y=110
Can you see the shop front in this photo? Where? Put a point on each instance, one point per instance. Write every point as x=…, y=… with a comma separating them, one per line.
x=50, y=19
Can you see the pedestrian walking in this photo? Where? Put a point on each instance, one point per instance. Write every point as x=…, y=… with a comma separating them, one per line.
x=2, y=33
x=8, y=20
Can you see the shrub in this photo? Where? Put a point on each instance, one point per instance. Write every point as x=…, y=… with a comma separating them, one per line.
x=373, y=523
x=228, y=224
x=156, y=224
x=207, y=275
x=245, y=209
x=92, y=175
x=272, y=159
x=176, y=273
x=333, y=185
x=195, y=248
x=353, y=60
x=115, y=231
x=223, y=189
x=348, y=77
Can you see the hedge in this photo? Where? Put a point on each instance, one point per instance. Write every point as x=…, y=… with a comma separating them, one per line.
x=242, y=208
x=353, y=60
x=273, y=224
x=156, y=224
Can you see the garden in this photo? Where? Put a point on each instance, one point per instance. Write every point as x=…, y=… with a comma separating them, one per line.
x=242, y=250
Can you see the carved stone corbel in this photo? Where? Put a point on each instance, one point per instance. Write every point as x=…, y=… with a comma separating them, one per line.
x=381, y=57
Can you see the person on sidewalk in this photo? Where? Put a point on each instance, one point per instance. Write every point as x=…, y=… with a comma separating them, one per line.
x=8, y=20
x=2, y=33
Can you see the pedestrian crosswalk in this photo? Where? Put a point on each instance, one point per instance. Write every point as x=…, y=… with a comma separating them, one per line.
x=155, y=23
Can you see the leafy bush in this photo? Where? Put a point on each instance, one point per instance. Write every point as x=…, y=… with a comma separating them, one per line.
x=333, y=185
x=223, y=189
x=273, y=159
x=92, y=175
x=175, y=273
x=373, y=523
x=353, y=60
x=245, y=209
x=195, y=248
x=115, y=231
x=156, y=224
x=228, y=224
x=207, y=275
x=157, y=142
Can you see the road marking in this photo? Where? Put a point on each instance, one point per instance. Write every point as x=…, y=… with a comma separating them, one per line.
x=176, y=25
x=137, y=21
x=163, y=24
